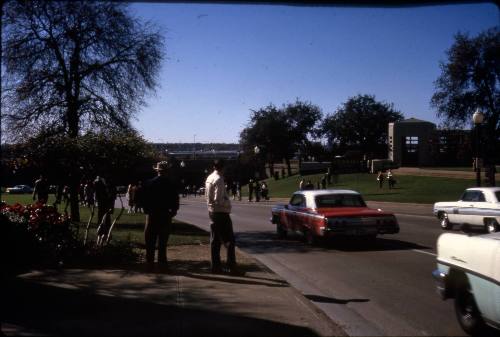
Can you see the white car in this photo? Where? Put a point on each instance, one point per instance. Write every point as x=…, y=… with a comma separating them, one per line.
x=19, y=189
x=478, y=206
x=468, y=270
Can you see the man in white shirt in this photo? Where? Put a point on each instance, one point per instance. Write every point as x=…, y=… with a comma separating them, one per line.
x=219, y=208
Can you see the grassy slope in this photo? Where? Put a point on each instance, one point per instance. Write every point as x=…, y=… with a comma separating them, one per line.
x=414, y=189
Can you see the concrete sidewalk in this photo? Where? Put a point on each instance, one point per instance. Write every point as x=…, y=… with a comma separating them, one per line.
x=186, y=300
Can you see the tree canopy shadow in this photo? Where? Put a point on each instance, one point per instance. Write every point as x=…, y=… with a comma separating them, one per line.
x=52, y=310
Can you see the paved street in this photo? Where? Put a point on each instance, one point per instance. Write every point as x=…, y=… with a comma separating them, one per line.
x=384, y=288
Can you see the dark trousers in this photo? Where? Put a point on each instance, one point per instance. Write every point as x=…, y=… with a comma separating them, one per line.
x=158, y=228
x=221, y=231
x=381, y=183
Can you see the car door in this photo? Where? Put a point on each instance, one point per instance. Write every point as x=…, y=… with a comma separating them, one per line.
x=294, y=210
x=463, y=213
x=481, y=204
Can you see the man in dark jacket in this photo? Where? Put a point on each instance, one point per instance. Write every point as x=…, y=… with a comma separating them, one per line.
x=160, y=200
x=41, y=191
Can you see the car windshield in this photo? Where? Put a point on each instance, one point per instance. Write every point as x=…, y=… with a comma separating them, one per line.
x=340, y=200
x=497, y=195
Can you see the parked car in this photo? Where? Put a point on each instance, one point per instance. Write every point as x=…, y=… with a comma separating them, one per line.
x=478, y=206
x=468, y=270
x=321, y=214
x=19, y=189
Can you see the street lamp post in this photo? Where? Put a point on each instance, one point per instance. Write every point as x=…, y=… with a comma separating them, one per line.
x=478, y=118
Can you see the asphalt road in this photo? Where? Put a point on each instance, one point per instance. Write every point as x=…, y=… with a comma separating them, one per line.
x=383, y=288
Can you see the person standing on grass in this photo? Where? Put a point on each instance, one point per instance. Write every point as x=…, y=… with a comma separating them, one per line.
x=160, y=201
x=238, y=190
x=380, y=179
x=101, y=197
x=105, y=206
x=137, y=198
x=390, y=179
x=256, y=188
x=41, y=191
x=250, y=190
x=301, y=184
x=221, y=228
x=131, y=197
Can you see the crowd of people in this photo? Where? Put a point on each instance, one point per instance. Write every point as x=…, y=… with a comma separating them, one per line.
x=158, y=199
x=389, y=176
x=258, y=189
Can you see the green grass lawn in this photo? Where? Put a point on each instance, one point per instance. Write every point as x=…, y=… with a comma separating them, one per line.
x=464, y=168
x=130, y=227
x=413, y=189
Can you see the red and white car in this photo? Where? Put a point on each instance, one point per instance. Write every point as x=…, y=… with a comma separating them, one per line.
x=328, y=213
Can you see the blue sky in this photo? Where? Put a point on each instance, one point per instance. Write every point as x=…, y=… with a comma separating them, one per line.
x=224, y=60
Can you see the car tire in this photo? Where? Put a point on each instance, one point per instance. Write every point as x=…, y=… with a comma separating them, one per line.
x=444, y=221
x=491, y=226
x=310, y=238
x=282, y=233
x=466, y=309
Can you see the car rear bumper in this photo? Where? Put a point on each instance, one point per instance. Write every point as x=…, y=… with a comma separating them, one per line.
x=360, y=230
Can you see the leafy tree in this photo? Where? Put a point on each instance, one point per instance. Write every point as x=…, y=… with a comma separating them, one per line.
x=303, y=120
x=267, y=130
x=120, y=155
x=470, y=79
x=360, y=124
x=279, y=133
x=73, y=66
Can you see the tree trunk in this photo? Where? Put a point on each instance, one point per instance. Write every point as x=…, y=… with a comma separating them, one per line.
x=74, y=183
x=289, y=167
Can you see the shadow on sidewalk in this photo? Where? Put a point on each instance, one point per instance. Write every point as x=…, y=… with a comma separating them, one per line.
x=323, y=299
x=53, y=310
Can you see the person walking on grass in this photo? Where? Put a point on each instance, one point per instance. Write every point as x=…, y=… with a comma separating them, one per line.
x=221, y=228
x=160, y=201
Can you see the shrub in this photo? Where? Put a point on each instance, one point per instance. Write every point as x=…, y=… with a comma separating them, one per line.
x=37, y=235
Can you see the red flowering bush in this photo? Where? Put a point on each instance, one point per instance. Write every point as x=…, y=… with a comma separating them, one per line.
x=38, y=233
x=37, y=236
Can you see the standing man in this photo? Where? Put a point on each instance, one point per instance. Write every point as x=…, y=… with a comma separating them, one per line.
x=41, y=190
x=250, y=190
x=160, y=200
x=221, y=228
x=102, y=199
